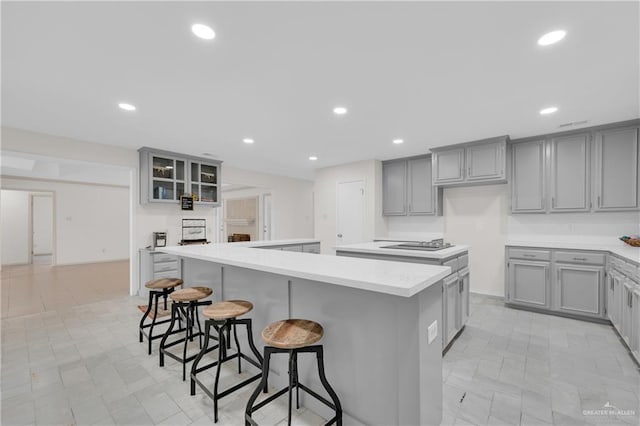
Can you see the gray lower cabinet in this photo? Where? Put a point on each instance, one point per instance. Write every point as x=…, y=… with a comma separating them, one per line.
x=626, y=326
x=407, y=188
x=451, y=308
x=614, y=283
x=394, y=188
x=578, y=289
x=464, y=295
x=528, y=180
x=557, y=281
x=635, y=324
x=304, y=248
x=617, y=160
x=569, y=183
x=529, y=283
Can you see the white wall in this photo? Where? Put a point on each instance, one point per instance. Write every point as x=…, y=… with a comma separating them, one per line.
x=423, y=228
x=91, y=221
x=477, y=216
x=14, y=219
x=325, y=186
x=292, y=199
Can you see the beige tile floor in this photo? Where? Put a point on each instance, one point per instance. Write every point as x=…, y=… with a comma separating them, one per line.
x=72, y=361
x=31, y=289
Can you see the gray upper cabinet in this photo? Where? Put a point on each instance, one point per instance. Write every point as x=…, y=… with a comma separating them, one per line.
x=471, y=163
x=486, y=161
x=569, y=183
x=528, y=177
x=420, y=192
x=166, y=176
x=407, y=188
x=617, y=164
x=394, y=188
x=448, y=166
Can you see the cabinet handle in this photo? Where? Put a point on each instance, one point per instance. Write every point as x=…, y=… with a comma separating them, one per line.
x=469, y=171
x=529, y=255
x=553, y=202
x=558, y=275
x=584, y=259
x=598, y=201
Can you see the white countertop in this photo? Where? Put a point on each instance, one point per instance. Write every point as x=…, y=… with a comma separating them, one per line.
x=274, y=243
x=614, y=246
x=395, y=278
x=377, y=247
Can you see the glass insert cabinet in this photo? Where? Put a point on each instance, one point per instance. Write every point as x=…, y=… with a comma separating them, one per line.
x=166, y=176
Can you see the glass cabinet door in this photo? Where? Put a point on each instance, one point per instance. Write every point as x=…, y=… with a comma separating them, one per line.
x=204, y=182
x=168, y=178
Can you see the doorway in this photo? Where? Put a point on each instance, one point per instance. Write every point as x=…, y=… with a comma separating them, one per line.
x=42, y=228
x=350, y=212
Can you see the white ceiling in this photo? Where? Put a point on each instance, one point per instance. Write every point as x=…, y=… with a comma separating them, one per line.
x=430, y=73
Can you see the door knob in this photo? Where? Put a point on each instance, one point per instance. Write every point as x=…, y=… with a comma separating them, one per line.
x=339, y=235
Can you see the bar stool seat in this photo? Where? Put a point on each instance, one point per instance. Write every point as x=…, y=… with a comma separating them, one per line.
x=163, y=283
x=160, y=287
x=293, y=337
x=292, y=333
x=185, y=306
x=227, y=309
x=190, y=294
x=222, y=316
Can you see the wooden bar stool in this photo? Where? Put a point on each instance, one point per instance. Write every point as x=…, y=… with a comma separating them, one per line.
x=185, y=306
x=293, y=336
x=223, y=316
x=160, y=287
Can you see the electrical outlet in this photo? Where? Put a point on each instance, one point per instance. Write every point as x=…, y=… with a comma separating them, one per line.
x=433, y=331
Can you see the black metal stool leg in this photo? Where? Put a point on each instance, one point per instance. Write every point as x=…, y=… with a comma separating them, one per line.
x=145, y=315
x=153, y=320
x=221, y=357
x=291, y=381
x=263, y=385
x=323, y=379
x=199, y=327
x=235, y=336
x=188, y=336
x=194, y=366
x=167, y=333
x=255, y=351
x=295, y=375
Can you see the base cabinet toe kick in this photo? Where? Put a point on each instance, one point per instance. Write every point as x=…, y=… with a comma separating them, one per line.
x=582, y=284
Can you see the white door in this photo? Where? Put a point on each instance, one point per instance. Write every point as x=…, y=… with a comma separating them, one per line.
x=350, y=212
x=42, y=225
x=266, y=217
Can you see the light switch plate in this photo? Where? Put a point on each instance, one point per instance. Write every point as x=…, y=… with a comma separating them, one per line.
x=433, y=331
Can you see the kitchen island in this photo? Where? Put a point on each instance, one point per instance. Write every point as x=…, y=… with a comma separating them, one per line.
x=376, y=316
x=455, y=288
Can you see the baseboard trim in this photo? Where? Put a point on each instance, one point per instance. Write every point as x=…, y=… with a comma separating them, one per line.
x=90, y=262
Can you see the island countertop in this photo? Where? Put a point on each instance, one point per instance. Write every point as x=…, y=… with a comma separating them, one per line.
x=378, y=247
x=394, y=278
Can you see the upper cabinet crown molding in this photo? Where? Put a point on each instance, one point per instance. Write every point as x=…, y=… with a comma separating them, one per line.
x=471, y=163
x=165, y=176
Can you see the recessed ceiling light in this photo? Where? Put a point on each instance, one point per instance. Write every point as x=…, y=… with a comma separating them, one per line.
x=313, y=158
x=340, y=110
x=549, y=110
x=203, y=31
x=247, y=140
x=398, y=141
x=126, y=107
x=552, y=37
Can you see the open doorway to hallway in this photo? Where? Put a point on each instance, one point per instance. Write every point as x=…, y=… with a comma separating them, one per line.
x=27, y=223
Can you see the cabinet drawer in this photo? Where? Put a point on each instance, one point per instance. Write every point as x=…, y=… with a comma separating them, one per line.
x=311, y=248
x=529, y=254
x=452, y=263
x=163, y=257
x=463, y=261
x=166, y=274
x=292, y=248
x=579, y=257
x=165, y=266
